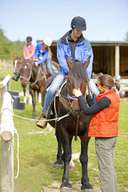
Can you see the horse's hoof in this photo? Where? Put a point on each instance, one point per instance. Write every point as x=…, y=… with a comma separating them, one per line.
x=87, y=188
x=59, y=163
x=66, y=187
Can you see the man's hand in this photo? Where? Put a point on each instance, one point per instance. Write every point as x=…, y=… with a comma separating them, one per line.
x=77, y=92
x=35, y=60
x=36, y=63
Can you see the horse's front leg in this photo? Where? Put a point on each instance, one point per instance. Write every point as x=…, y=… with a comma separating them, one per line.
x=84, y=162
x=25, y=95
x=42, y=97
x=66, y=159
x=59, y=161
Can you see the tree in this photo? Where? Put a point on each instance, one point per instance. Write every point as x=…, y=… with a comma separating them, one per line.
x=9, y=49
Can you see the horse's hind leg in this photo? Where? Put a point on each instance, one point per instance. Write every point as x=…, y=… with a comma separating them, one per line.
x=66, y=159
x=33, y=104
x=84, y=162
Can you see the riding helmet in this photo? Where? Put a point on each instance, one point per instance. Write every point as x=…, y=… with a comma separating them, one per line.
x=78, y=22
x=28, y=38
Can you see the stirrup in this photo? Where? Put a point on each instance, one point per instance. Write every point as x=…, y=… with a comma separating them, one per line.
x=42, y=122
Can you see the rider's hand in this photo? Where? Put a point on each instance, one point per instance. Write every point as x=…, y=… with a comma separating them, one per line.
x=77, y=92
x=36, y=63
x=35, y=59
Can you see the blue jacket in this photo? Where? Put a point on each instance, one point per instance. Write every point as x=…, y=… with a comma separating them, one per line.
x=83, y=51
x=42, y=57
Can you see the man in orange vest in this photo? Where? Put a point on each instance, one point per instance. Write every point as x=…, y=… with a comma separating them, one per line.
x=104, y=127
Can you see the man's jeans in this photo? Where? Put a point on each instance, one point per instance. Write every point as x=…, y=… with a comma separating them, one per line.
x=56, y=83
x=52, y=69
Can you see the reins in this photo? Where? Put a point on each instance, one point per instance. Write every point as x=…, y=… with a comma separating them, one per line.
x=27, y=79
x=37, y=80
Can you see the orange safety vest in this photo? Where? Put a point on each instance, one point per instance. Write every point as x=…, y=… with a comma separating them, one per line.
x=105, y=122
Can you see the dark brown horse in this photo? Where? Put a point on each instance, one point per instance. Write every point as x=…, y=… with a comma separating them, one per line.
x=73, y=123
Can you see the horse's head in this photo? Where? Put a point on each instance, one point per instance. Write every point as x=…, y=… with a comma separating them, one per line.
x=23, y=68
x=17, y=64
x=26, y=71
x=77, y=78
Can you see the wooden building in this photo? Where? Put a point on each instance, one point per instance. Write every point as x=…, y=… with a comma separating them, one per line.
x=111, y=58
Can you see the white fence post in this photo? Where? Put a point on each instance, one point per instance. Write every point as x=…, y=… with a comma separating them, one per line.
x=6, y=144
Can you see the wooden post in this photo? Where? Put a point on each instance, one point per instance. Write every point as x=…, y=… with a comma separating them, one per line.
x=6, y=144
x=6, y=167
x=117, y=61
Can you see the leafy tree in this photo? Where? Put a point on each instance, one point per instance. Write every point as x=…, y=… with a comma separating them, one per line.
x=9, y=49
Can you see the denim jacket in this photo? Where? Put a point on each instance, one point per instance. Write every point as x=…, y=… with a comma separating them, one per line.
x=42, y=57
x=83, y=51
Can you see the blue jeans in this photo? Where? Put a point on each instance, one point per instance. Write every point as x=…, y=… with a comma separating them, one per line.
x=51, y=69
x=49, y=97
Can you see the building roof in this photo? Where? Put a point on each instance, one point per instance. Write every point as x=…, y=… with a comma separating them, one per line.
x=109, y=43
x=105, y=43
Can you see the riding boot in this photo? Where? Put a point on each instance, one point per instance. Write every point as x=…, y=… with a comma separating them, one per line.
x=42, y=122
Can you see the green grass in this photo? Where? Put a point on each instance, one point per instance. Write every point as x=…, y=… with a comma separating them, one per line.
x=38, y=152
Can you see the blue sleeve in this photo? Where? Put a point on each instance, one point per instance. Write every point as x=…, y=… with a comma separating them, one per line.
x=62, y=59
x=43, y=57
x=88, y=54
x=88, y=50
x=37, y=51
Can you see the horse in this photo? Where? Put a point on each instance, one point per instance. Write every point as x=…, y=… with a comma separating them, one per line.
x=22, y=68
x=65, y=116
x=37, y=77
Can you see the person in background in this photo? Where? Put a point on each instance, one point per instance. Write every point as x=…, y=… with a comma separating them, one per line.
x=43, y=55
x=70, y=48
x=28, y=53
x=28, y=49
x=104, y=127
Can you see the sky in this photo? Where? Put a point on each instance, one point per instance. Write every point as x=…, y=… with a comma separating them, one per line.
x=107, y=20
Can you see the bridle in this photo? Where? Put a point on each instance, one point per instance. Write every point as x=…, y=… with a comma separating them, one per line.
x=38, y=76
